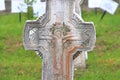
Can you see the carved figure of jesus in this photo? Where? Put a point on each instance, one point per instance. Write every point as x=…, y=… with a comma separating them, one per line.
x=57, y=36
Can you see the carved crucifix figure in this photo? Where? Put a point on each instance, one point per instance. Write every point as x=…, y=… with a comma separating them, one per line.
x=58, y=36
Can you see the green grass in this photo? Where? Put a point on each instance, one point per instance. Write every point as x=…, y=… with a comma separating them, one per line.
x=103, y=62
x=15, y=62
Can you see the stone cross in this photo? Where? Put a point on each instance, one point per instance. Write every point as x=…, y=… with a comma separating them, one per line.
x=60, y=37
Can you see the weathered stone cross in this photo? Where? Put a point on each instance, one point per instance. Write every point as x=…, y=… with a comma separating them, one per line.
x=60, y=36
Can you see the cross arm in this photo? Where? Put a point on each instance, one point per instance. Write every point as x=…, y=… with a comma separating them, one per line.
x=87, y=34
x=29, y=34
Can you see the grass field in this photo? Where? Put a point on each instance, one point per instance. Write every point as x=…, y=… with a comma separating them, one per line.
x=103, y=62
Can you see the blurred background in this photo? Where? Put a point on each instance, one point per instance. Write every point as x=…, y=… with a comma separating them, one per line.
x=18, y=64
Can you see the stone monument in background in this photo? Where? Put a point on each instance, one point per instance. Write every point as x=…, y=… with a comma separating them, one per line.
x=61, y=38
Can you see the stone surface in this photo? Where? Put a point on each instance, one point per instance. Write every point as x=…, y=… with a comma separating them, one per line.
x=61, y=38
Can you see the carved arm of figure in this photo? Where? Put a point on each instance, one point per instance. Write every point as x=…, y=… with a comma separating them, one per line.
x=69, y=37
x=68, y=55
x=70, y=51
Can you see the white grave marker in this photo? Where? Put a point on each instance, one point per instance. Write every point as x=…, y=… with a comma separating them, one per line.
x=18, y=6
x=109, y=5
x=2, y=4
x=94, y=3
x=39, y=8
